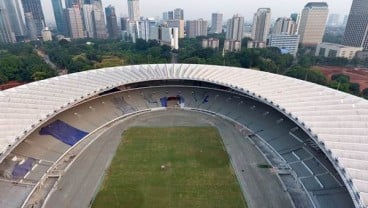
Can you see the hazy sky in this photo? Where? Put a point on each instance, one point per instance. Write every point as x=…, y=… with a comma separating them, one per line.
x=194, y=9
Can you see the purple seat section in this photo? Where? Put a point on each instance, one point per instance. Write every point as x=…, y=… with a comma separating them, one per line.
x=63, y=132
x=20, y=170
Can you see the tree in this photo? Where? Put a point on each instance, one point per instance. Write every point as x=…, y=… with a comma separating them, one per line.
x=141, y=45
x=39, y=75
x=365, y=93
x=354, y=88
x=310, y=75
x=3, y=78
x=340, y=78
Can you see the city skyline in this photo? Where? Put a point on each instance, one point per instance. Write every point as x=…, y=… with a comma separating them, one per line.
x=228, y=8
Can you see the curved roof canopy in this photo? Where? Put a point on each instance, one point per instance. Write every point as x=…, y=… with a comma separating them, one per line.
x=337, y=121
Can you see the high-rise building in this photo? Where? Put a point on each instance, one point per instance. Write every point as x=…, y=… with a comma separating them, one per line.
x=124, y=21
x=333, y=20
x=71, y=3
x=345, y=21
x=313, y=23
x=6, y=32
x=261, y=25
x=294, y=17
x=59, y=17
x=75, y=22
x=196, y=28
x=35, y=7
x=179, y=24
x=111, y=22
x=98, y=16
x=87, y=13
x=178, y=14
x=31, y=26
x=235, y=27
x=133, y=10
x=94, y=20
x=356, y=32
x=170, y=15
x=216, y=23
x=169, y=36
x=286, y=43
x=284, y=25
x=14, y=17
x=145, y=28
x=165, y=16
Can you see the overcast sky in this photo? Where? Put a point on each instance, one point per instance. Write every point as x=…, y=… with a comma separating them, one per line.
x=194, y=9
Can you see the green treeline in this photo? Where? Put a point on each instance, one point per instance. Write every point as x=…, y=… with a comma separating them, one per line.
x=21, y=62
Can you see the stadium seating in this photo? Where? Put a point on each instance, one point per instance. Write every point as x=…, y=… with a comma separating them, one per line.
x=293, y=145
x=63, y=132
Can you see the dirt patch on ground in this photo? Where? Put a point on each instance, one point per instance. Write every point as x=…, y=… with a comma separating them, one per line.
x=10, y=84
x=357, y=75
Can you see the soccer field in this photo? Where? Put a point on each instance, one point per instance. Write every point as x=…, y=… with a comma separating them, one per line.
x=170, y=167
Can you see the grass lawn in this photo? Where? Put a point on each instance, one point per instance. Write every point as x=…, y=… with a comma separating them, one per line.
x=197, y=171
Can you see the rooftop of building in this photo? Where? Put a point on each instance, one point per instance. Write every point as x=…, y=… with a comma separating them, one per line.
x=316, y=4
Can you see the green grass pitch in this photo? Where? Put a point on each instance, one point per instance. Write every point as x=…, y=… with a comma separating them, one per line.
x=170, y=167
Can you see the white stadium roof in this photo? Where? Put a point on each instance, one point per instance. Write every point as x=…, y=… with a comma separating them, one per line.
x=336, y=120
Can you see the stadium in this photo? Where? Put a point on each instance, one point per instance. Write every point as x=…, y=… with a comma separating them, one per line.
x=54, y=151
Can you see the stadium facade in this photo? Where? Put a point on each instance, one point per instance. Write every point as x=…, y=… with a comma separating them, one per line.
x=336, y=122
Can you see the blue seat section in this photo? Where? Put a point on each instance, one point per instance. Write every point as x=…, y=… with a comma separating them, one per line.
x=63, y=132
x=163, y=101
x=20, y=170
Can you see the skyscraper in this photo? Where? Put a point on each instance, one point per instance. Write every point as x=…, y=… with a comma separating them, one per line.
x=170, y=15
x=94, y=19
x=313, y=23
x=178, y=14
x=6, y=32
x=87, y=13
x=196, y=28
x=333, y=20
x=165, y=15
x=59, y=17
x=14, y=17
x=111, y=22
x=284, y=25
x=75, y=22
x=356, y=32
x=34, y=7
x=133, y=10
x=145, y=27
x=261, y=25
x=31, y=26
x=99, y=24
x=235, y=27
x=216, y=23
x=70, y=3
